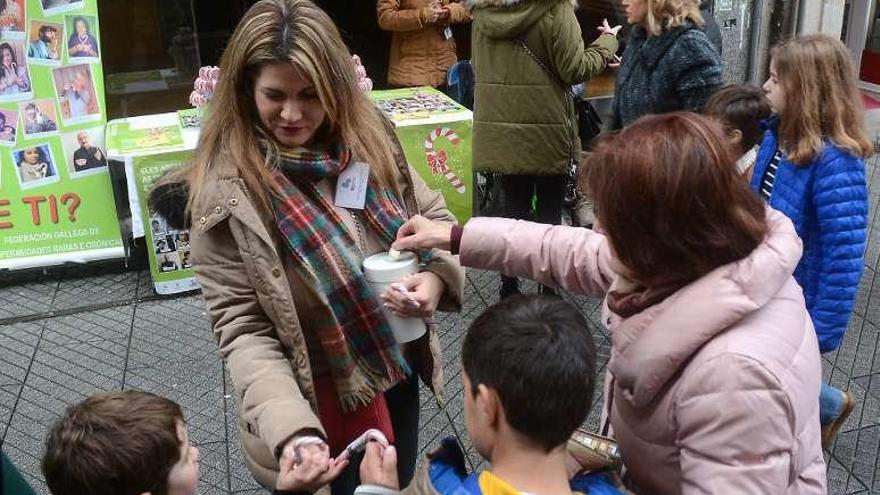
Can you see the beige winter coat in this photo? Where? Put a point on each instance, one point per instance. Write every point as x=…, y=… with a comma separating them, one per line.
x=420, y=52
x=246, y=283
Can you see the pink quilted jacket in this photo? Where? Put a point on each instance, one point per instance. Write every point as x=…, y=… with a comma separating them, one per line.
x=713, y=390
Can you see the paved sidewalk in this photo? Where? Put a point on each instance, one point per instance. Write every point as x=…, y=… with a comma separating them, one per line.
x=67, y=333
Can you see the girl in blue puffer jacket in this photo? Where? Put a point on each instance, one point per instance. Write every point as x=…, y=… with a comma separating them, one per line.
x=811, y=167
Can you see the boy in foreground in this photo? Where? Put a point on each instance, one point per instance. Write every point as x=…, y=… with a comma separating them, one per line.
x=136, y=443
x=529, y=366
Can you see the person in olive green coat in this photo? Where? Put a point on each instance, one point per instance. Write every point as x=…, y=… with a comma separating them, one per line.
x=525, y=125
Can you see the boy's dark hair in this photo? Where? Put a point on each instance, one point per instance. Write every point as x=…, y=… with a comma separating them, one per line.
x=537, y=353
x=115, y=443
x=740, y=107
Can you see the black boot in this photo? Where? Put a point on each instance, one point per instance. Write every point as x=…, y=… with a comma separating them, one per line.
x=509, y=287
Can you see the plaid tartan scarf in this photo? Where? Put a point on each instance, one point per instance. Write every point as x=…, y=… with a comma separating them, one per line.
x=363, y=355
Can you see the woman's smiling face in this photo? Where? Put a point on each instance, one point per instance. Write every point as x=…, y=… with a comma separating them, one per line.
x=288, y=104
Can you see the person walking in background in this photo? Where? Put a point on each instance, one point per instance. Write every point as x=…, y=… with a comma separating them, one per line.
x=714, y=369
x=526, y=55
x=277, y=247
x=811, y=167
x=422, y=46
x=669, y=63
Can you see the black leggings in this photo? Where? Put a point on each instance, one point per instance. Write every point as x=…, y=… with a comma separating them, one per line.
x=517, y=192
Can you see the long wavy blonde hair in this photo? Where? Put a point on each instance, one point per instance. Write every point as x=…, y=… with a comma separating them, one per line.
x=300, y=33
x=822, y=98
x=667, y=14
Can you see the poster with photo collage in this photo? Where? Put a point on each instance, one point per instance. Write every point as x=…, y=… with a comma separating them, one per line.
x=168, y=248
x=56, y=201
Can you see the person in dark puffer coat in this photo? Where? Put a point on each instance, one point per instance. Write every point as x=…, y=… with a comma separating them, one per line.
x=669, y=63
x=811, y=167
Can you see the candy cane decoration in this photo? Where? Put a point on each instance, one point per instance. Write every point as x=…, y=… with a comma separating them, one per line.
x=437, y=160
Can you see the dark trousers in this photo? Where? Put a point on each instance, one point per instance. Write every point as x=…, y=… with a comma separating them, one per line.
x=516, y=201
x=517, y=192
x=403, y=404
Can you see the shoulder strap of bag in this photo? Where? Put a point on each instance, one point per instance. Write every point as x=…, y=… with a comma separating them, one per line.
x=553, y=76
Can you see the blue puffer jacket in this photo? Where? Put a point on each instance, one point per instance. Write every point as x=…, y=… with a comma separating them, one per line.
x=827, y=201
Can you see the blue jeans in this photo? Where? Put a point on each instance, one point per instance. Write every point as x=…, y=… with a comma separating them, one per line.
x=830, y=404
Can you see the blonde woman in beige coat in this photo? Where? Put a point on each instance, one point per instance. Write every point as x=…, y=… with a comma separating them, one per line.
x=278, y=258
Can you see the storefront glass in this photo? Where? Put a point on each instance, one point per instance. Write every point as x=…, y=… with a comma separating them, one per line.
x=153, y=49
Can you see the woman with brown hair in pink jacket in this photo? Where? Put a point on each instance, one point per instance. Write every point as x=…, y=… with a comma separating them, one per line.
x=714, y=368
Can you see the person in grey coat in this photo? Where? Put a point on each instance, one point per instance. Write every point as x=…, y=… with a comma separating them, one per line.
x=669, y=63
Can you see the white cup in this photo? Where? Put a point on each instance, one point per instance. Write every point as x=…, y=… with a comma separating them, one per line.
x=381, y=271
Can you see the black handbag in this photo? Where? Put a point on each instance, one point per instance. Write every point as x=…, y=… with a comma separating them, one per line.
x=589, y=122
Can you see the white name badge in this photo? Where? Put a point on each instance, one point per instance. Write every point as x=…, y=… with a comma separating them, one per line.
x=351, y=186
x=447, y=33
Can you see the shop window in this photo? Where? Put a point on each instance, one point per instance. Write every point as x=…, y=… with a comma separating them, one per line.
x=870, y=67
x=590, y=16
x=152, y=49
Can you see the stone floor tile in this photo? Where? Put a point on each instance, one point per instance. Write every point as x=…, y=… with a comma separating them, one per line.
x=197, y=387
x=159, y=340
x=213, y=468
x=842, y=482
x=78, y=369
x=76, y=290
x=28, y=298
x=111, y=324
x=866, y=285
x=8, y=398
x=18, y=343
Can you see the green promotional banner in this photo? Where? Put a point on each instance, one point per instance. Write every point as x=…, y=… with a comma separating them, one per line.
x=56, y=201
x=169, y=252
x=436, y=135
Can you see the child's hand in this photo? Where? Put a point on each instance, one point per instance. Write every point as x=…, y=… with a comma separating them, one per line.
x=308, y=467
x=379, y=466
